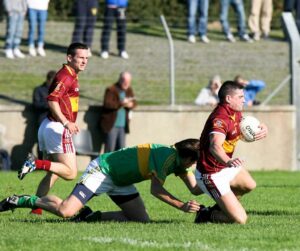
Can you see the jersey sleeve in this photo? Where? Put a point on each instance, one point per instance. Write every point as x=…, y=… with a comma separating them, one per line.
x=58, y=90
x=220, y=125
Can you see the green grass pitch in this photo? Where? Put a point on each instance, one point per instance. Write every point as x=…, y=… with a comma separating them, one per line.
x=273, y=208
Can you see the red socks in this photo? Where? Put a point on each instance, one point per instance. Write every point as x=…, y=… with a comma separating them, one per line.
x=42, y=164
x=37, y=211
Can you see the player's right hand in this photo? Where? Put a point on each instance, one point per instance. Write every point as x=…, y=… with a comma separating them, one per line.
x=191, y=206
x=235, y=162
x=72, y=127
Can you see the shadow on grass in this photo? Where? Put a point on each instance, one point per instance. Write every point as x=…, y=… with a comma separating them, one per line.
x=13, y=100
x=40, y=220
x=279, y=186
x=43, y=220
x=273, y=213
x=56, y=47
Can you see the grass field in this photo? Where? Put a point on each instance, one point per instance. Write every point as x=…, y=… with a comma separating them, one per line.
x=147, y=45
x=273, y=208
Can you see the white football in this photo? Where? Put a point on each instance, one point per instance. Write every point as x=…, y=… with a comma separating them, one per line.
x=249, y=126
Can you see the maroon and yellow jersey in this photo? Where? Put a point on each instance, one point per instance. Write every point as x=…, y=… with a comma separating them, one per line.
x=65, y=90
x=225, y=121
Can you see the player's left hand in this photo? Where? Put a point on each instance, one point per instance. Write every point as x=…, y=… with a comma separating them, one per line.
x=191, y=206
x=262, y=133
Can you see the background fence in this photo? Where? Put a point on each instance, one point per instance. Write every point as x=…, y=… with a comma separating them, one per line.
x=148, y=48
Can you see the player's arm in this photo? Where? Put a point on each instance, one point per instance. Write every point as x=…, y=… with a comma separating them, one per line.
x=60, y=117
x=161, y=193
x=191, y=183
x=216, y=149
x=262, y=133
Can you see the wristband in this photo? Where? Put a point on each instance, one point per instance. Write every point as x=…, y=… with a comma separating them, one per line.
x=65, y=123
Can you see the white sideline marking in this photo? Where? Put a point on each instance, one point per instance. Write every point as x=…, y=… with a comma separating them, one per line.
x=153, y=244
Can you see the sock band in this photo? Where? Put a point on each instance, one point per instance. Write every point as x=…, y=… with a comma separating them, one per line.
x=43, y=164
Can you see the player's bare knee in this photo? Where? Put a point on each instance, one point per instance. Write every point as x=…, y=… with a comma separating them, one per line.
x=65, y=213
x=71, y=175
x=242, y=219
x=251, y=186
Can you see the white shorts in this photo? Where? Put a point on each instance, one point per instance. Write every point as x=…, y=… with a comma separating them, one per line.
x=54, y=138
x=217, y=184
x=100, y=183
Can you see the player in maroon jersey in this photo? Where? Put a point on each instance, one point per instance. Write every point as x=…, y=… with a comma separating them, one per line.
x=55, y=132
x=219, y=174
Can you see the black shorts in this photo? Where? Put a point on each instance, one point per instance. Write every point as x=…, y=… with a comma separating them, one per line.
x=82, y=193
x=120, y=199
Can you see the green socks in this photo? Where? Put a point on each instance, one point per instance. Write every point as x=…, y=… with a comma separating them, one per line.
x=27, y=201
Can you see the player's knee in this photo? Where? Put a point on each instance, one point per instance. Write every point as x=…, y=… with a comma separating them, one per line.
x=72, y=174
x=139, y=218
x=65, y=213
x=251, y=185
x=145, y=219
x=241, y=219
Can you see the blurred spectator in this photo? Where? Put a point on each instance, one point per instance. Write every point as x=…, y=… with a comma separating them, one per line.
x=86, y=15
x=114, y=9
x=202, y=7
x=260, y=18
x=37, y=17
x=290, y=6
x=251, y=88
x=209, y=94
x=39, y=100
x=118, y=101
x=16, y=10
x=238, y=7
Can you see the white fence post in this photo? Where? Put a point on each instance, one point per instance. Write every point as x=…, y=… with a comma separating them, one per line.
x=172, y=67
x=294, y=43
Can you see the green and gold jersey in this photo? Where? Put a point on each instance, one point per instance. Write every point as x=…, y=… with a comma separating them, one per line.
x=134, y=164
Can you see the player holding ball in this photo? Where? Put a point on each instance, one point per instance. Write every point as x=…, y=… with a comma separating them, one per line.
x=218, y=174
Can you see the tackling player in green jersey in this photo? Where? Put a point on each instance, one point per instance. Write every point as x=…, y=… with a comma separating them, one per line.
x=115, y=174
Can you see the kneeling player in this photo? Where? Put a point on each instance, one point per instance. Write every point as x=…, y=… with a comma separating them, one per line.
x=218, y=174
x=115, y=173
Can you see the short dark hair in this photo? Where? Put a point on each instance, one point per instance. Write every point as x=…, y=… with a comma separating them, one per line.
x=188, y=148
x=228, y=88
x=74, y=46
x=50, y=75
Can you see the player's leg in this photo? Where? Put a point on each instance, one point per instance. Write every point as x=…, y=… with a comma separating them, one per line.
x=51, y=203
x=231, y=206
x=64, y=165
x=217, y=186
x=242, y=183
x=132, y=206
x=46, y=183
x=63, y=208
x=68, y=207
x=57, y=142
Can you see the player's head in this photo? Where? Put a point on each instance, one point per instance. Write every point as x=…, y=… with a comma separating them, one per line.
x=124, y=80
x=188, y=149
x=77, y=56
x=75, y=46
x=232, y=93
x=50, y=76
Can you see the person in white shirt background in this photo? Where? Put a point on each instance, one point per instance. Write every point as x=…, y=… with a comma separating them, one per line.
x=209, y=95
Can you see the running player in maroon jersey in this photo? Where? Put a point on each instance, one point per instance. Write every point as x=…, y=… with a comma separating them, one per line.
x=219, y=174
x=55, y=132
